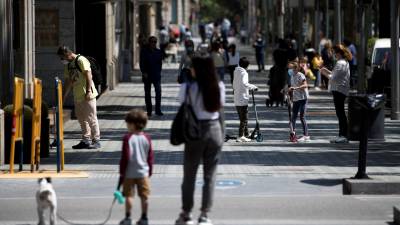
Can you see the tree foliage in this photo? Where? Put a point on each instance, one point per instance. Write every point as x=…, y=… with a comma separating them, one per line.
x=213, y=10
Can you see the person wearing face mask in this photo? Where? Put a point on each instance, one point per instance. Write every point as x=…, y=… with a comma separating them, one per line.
x=339, y=82
x=186, y=62
x=85, y=93
x=299, y=93
x=259, y=46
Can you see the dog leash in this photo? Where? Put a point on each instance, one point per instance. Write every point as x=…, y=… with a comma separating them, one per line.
x=103, y=223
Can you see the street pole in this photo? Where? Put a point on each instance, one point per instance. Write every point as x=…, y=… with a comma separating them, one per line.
x=300, y=35
x=338, y=25
x=361, y=55
x=281, y=19
x=29, y=46
x=265, y=21
x=6, y=52
x=316, y=25
x=327, y=18
x=394, y=12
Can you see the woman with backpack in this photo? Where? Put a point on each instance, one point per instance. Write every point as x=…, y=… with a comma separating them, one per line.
x=206, y=95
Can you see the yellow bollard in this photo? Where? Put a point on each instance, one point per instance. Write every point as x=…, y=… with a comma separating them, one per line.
x=36, y=124
x=16, y=133
x=60, y=127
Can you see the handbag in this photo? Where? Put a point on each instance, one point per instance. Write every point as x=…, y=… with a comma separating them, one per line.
x=185, y=126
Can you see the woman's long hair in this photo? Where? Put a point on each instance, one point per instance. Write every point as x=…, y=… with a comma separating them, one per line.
x=207, y=80
x=343, y=51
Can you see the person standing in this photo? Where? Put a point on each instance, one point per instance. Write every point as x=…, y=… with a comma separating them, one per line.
x=150, y=66
x=299, y=89
x=328, y=59
x=81, y=81
x=259, y=46
x=207, y=97
x=241, y=87
x=136, y=165
x=339, y=80
x=353, y=62
x=233, y=57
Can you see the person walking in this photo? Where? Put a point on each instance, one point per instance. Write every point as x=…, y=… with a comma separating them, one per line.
x=339, y=80
x=232, y=57
x=81, y=81
x=299, y=89
x=186, y=62
x=259, y=46
x=217, y=55
x=241, y=87
x=136, y=165
x=150, y=66
x=207, y=97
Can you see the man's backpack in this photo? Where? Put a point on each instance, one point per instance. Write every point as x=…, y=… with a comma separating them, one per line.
x=95, y=67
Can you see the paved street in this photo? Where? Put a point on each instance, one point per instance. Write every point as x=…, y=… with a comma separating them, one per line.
x=270, y=182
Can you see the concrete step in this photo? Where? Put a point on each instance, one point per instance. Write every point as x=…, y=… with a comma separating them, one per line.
x=396, y=215
x=376, y=186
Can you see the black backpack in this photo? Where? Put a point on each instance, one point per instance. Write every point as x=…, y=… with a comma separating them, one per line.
x=95, y=67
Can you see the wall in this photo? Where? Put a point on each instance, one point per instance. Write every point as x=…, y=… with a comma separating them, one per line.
x=59, y=14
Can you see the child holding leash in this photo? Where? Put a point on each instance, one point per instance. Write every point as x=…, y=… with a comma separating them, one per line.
x=299, y=92
x=136, y=164
x=241, y=87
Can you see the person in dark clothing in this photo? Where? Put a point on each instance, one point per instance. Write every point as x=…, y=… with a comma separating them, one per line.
x=328, y=58
x=150, y=66
x=259, y=45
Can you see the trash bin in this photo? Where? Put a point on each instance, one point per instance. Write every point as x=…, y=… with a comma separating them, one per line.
x=360, y=104
x=27, y=135
x=44, y=128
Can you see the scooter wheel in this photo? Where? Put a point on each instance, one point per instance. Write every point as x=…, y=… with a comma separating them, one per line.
x=259, y=138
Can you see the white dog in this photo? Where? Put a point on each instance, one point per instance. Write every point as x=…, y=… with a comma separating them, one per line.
x=46, y=198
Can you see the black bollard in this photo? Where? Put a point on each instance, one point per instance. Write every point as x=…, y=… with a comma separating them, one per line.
x=363, y=148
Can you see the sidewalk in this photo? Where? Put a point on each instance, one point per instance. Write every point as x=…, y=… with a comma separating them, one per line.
x=275, y=156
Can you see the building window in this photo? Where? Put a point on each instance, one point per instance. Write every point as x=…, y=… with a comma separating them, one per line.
x=47, y=27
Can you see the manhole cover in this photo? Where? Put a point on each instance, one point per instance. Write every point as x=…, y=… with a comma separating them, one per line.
x=224, y=184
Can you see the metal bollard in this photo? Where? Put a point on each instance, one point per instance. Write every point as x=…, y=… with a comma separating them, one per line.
x=2, y=160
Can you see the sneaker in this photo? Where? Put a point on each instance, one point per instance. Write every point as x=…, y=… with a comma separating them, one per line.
x=243, y=139
x=142, y=222
x=204, y=221
x=184, y=219
x=82, y=145
x=126, y=221
x=293, y=138
x=95, y=144
x=304, y=139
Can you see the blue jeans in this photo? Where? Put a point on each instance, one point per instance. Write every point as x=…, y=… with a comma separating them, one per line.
x=300, y=106
x=221, y=73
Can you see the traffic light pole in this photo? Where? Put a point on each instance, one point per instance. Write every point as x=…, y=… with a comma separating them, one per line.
x=394, y=14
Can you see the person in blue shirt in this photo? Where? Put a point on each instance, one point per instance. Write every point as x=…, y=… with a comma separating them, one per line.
x=150, y=66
